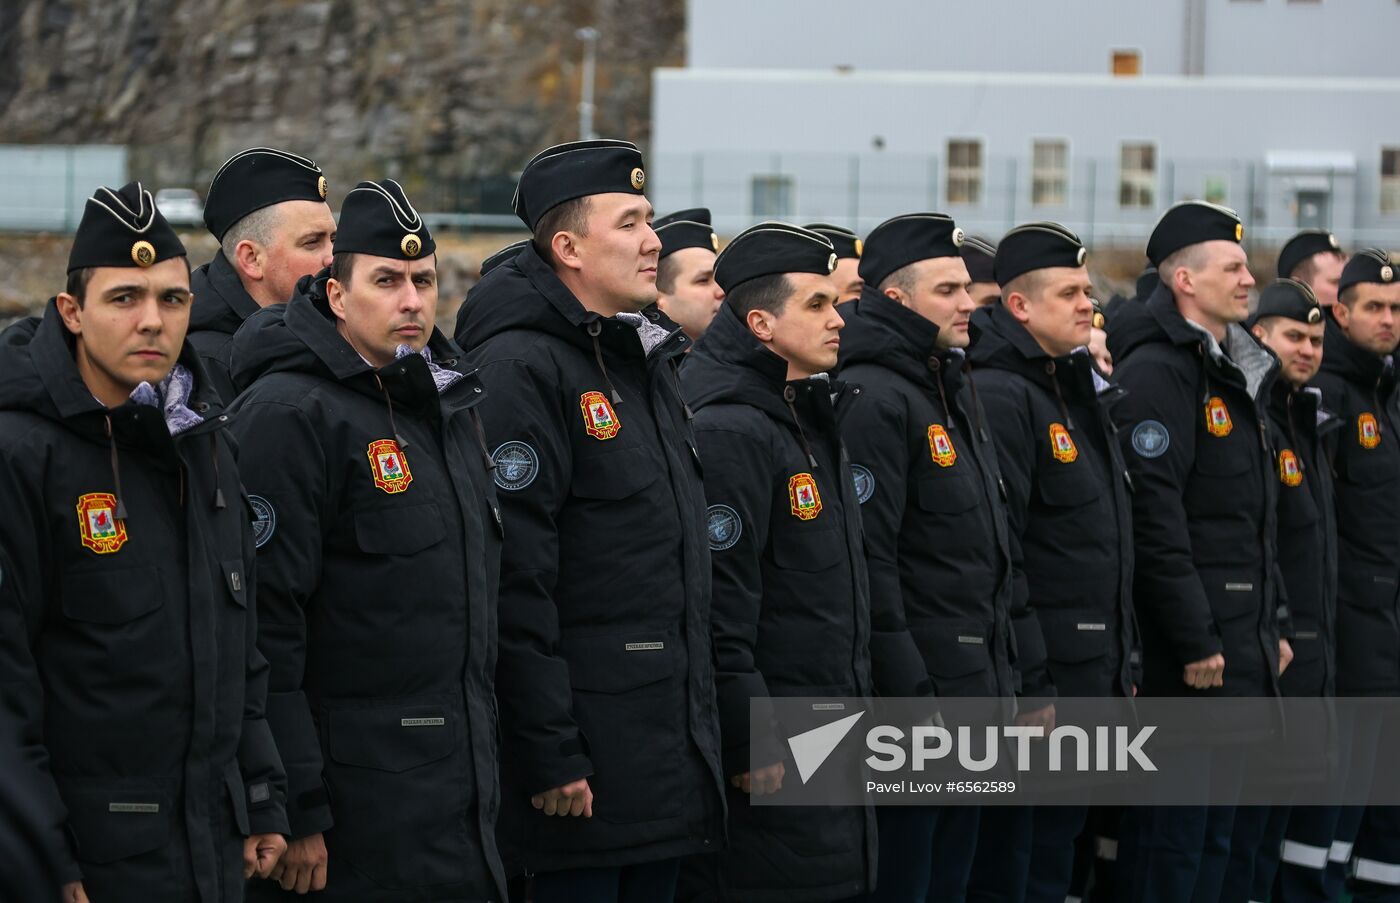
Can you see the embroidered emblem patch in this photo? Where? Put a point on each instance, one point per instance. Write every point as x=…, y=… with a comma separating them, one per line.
x=389, y=466
x=864, y=481
x=1061, y=445
x=941, y=446
x=97, y=523
x=264, y=520
x=1218, y=417
x=1151, y=439
x=599, y=418
x=516, y=465
x=803, y=498
x=1368, y=431
x=723, y=524
x=1290, y=473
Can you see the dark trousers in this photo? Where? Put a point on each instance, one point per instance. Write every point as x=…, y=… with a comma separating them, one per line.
x=1376, y=869
x=1172, y=854
x=1247, y=842
x=926, y=853
x=648, y=882
x=1025, y=853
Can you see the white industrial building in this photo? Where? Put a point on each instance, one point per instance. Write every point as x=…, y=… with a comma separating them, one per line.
x=1095, y=113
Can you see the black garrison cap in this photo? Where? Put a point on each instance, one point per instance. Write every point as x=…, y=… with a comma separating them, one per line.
x=903, y=240
x=122, y=228
x=256, y=178
x=686, y=229
x=1304, y=245
x=509, y=252
x=846, y=242
x=771, y=248
x=1370, y=265
x=377, y=219
x=575, y=170
x=1290, y=299
x=1036, y=246
x=979, y=255
x=1190, y=223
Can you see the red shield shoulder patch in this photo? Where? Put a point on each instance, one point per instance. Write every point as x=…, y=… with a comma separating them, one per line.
x=940, y=446
x=1218, y=417
x=388, y=466
x=1368, y=430
x=1290, y=472
x=803, y=498
x=98, y=526
x=1061, y=444
x=599, y=419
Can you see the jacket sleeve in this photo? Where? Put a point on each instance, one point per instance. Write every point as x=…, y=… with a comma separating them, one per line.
x=540, y=738
x=41, y=816
x=1167, y=588
x=737, y=478
x=282, y=462
x=264, y=778
x=876, y=435
x=1014, y=436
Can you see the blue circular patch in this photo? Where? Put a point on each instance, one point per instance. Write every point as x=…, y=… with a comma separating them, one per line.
x=865, y=482
x=516, y=465
x=1151, y=439
x=264, y=520
x=724, y=527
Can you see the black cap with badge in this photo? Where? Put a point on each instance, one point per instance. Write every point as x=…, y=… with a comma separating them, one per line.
x=846, y=242
x=1304, y=245
x=509, y=252
x=686, y=229
x=377, y=219
x=1190, y=223
x=575, y=170
x=256, y=178
x=1037, y=246
x=902, y=240
x=772, y=248
x=122, y=228
x=1290, y=299
x=1370, y=265
x=980, y=257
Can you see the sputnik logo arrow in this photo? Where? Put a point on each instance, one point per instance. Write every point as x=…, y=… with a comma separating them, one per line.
x=811, y=748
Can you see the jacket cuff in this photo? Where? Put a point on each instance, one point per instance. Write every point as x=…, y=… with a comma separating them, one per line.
x=897, y=668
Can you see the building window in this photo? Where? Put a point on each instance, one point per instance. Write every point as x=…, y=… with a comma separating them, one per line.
x=1390, y=180
x=1127, y=62
x=964, y=172
x=1049, y=173
x=1137, y=175
x=772, y=196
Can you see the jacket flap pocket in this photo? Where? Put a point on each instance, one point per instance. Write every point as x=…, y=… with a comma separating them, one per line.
x=619, y=662
x=614, y=474
x=394, y=737
x=800, y=547
x=400, y=530
x=1067, y=489
x=236, y=580
x=1076, y=636
x=953, y=649
x=950, y=494
x=1366, y=587
x=117, y=819
x=1224, y=461
x=1232, y=597
x=112, y=595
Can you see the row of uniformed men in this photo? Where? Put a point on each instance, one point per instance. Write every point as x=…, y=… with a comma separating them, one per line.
x=890, y=531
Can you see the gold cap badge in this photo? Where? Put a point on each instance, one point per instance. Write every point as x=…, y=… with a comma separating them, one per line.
x=831, y=264
x=411, y=245
x=322, y=186
x=1239, y=231
x=639, y=178
x=143, y=253
x=860, y=247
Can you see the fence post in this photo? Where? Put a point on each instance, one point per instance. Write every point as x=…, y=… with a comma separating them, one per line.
x=1093, y=187
x=1011, y=196
x=855, y=191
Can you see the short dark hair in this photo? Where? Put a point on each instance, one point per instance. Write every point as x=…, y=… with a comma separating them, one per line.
x=1347, y=296
x=570, y=216
x=905, y=279
x=1307, y=267
x=342, y=265
x=767, y=293
x=666, y=272
x=78, y=283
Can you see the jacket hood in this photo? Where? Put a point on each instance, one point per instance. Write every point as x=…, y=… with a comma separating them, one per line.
x=41, y=376
x=1156, y=319
x=729, y=364
x=881, y=331
x=220, y=302
x=1347, y=360
x=1003, y=343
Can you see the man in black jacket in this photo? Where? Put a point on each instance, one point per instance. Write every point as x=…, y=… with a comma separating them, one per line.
x=1315, y=258
x=133, y=689
x=606, y=678
x=933, y=506
x=1288, y=321
x=378, y=547
x=1070, y=518
x=687, y=292
x=268, y=210
x=1195, y=439
x=791, y=611
x=1358, y=383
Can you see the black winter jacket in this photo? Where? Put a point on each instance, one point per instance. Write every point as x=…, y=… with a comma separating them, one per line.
x=221, y=304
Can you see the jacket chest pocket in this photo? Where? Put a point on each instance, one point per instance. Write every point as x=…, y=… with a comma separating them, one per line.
x=807, y=549
x=1296, y=507
x=112, y=596
x=1222, y=463
x=1370, y=466
x=1067, y=486
x=946, y=494
x=615, y=474
x=401, y=530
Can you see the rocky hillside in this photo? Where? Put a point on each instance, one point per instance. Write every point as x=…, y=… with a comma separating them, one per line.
x=438, y=93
